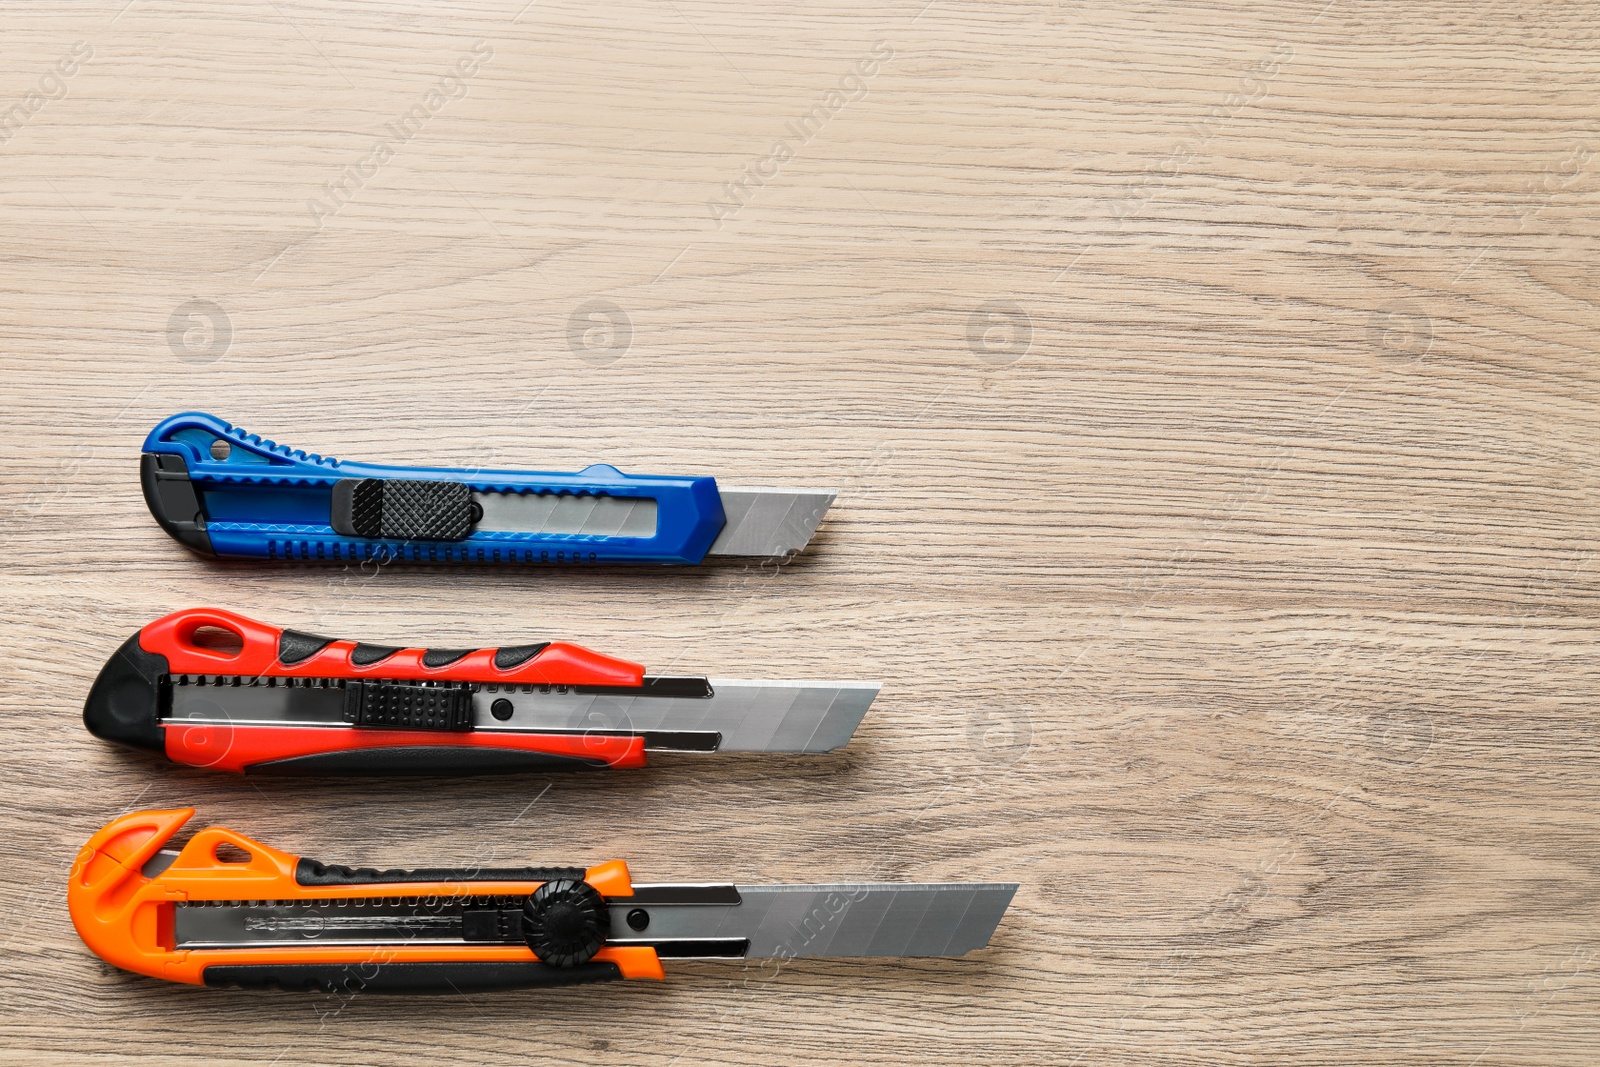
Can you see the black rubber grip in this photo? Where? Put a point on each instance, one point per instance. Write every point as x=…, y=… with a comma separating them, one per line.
x=294, y=646
x=517, y=655
x=403, y=508
x=171, y=498
x=408, y=977
x=365, y=655
x=310, y=872
x=424, y=759
x=504, y=658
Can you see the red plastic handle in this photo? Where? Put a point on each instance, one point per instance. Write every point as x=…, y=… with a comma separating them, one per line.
x=258, y=748
x=174, y=636
x=262, y=651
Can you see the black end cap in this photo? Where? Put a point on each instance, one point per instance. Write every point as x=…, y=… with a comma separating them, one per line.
x=171, y=498
x=124, y=703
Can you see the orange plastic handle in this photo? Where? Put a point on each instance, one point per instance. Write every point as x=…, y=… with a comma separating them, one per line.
x=126, y=918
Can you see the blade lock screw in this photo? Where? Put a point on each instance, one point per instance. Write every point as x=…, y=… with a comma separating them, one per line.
x=638, y=919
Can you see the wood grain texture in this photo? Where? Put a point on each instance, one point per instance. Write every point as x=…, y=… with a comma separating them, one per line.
x=1212, y=395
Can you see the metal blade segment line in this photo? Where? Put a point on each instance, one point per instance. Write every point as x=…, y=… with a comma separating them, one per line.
x=758, y=522
x=937, y=919
x=751, y=716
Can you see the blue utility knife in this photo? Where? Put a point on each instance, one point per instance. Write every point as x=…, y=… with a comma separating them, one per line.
x=235, y=495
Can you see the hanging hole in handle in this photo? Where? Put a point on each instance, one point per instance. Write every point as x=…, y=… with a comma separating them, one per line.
x=220, y=449
x=228, y=852
x=217, y=639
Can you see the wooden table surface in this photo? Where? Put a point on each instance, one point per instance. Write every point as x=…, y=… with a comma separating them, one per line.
x=1211, y=392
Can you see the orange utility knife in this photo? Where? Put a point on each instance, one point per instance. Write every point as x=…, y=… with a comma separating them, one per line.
x=226, y=910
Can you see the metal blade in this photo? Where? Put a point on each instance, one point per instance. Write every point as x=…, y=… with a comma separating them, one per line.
x=737, y=716
x=940, y=919
x=710, y=921
x=750, y=716
x=567, y=513
x=769, y=522
x=759, y=522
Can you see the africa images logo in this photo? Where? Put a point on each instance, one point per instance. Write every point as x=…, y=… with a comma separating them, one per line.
x=52, y=86
x=852, y=87
x=452, y=86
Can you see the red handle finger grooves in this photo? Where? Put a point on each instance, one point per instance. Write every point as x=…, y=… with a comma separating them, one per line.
x=263, y=646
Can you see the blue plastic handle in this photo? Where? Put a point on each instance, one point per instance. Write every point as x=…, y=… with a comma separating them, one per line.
x=267, y=501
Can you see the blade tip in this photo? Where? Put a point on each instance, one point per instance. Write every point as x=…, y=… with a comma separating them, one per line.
x=786, y=534
x=865, y=693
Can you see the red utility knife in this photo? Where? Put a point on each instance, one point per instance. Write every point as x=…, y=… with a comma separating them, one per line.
x=210, y=688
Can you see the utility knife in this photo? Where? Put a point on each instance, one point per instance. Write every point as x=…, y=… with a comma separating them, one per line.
x=211, y=688
x=231, y=494
x=224, y=910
